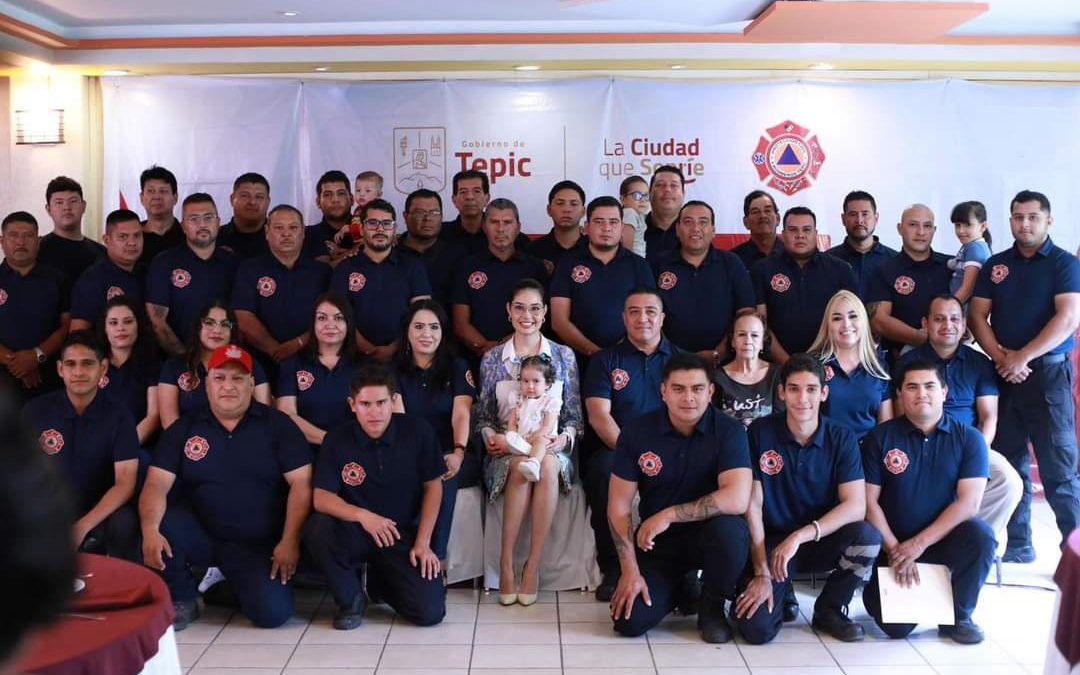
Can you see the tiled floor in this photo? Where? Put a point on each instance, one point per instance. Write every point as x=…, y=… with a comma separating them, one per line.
x=571, y=633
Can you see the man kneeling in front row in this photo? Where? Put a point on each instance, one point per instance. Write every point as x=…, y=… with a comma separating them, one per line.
x=925, y=475
x=378, y=487
x=690, y=464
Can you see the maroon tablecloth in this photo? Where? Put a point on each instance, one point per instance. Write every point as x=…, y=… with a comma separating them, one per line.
x=137, y=610
x=1067, y=577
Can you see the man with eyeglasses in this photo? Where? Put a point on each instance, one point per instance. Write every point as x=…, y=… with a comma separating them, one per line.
x=585, y=283
x=423, y=222
x=760, y=218
x=245, y=233
x=275, y=291
x=379, y=283
x=667, y=190
x=324, y=239
x=483, y=280
x=566, y=206
x=472, y=192
x=182, y=279
x=1024, y=312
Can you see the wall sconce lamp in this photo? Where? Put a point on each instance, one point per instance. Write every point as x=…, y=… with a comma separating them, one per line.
x=39, y=127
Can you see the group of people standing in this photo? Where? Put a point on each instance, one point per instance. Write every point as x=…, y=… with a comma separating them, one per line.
x=263, y=396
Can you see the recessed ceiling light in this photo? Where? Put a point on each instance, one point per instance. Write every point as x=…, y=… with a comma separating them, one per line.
x=322, y=69
x=526, y=68
x=677, y=66
x=821, y=66
x=289, y=13
x=116, y=73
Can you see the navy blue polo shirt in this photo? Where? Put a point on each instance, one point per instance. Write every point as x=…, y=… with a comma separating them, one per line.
x=440, y=261
x=670, y=468
x=320, y=392
x=700, y=302
x=193, y=389
x=126, y=386
x=597, y=290
x=70, y=258
x=235, y=480
x=283, y=299
x=473, y=243
x=315, y=238
x=87, y=446
x=1022, y=292
x=865, y=265
x=548, y=249
x=184, y=282
x=918, y=474
x=910, y=285
x=30, y=306
x=854, y=398
x=800, y=483
x=659, y=243
x=244, y=245
x=968, y=374
x=750, y=254
x=795, y=296
x=154, y=243
x=384, y=475
x=434, y=401
x=483, y=282
x=629, y=378
x=101, y=282
x=380, y=292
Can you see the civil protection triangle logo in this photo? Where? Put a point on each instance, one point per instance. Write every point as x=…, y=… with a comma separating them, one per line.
x=419, y=158
x=789, y=158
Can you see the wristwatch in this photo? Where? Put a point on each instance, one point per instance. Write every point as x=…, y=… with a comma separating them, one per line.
x=40, y=355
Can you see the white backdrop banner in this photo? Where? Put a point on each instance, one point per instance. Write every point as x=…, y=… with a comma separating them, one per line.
x=937, y=142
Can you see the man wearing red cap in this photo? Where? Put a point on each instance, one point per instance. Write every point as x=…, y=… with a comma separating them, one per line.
x=243, y=477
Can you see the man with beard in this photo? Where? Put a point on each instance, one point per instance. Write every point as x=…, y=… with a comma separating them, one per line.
x=566, y=206
x=861, y=248
x=65, y=248
x=794, y=286
x=760, y=218
x=585, y=283
x=667, y=190
x=182, y=279
x=379, y=283
x=325, y=239
x=703, y=288
x=898, y=297
x=161, y=229
x=118, y=273
x=423, y=222
x=275, y=291
x=472, y=191
x=245, y=234
x=483, y=280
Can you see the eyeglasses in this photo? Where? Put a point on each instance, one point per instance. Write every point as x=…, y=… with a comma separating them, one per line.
x=518, y=308
x=210, y=323
x=426, y=213
x=637, y=195
x=208, y=219
x=373, y=224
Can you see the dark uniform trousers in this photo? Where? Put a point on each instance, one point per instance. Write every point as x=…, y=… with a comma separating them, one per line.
x=1041, y=409
x=968, y=552
x=719, y=547
x=849, y=553
x=117, y=536
x=266, y=602
x=467, y=476
x=596, y=479
x=338, y=548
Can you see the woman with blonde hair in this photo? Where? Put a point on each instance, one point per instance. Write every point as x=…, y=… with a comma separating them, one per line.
x=858, y=381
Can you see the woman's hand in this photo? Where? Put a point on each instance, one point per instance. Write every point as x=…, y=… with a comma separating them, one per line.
x=556, y=443
x=497, y=446
x=453, y=464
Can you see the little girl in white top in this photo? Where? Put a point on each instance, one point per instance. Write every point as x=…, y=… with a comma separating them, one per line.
x=533, y=414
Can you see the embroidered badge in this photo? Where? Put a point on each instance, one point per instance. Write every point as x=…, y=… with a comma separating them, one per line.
x=904, y=285
x=667, y=281
x=353, y=474
x=188, y=381
x=896, y=461
x=580, y=274
x=181, y=278
x=477, y=280
x=650, y=464
x=51, y=441
x=113, y=292
x=357, y=282
x=998, y=273
x=196, y=448
x=304, y=380
x=266, y=286
x=780, y=283
x=619, y=379
x=771, y=463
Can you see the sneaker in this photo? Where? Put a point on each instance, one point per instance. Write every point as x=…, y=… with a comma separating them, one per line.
x=184, y=612
x=530, y=468
x=518, y=444
x=836, y=623
x=791, y=605
x=348, y=618
x=213, y=575
x=965, y=632
x=1019, y=554
x=712, y=624
x=606, y=589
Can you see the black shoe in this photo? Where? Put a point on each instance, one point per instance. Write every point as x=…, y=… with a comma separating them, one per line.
x=184, y=612
x=791, y=606
x=221, y=595
x=712, y=624
x=1019, y=554
x=690, y=594
x=606, y=589
x=835, y=623
x=352, y=616
x=965, y=632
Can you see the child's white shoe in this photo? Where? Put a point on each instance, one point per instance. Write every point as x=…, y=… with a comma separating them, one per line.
x=518, y=444
x=530, y=468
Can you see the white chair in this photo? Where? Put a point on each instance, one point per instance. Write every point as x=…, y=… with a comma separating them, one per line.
x=569, y=561
x=465, y=550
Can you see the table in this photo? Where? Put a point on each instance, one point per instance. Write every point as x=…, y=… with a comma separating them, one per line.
x=1063, y=650
x=135, y=637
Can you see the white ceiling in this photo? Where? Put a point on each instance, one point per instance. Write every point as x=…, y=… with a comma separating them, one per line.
x=156, y=18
